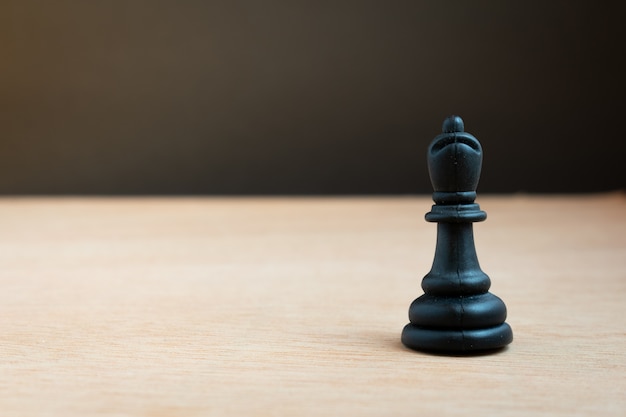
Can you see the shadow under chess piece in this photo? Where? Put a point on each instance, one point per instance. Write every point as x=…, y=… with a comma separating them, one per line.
x=456, y=314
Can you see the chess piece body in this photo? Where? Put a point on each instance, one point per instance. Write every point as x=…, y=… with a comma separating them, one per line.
x=456, y=313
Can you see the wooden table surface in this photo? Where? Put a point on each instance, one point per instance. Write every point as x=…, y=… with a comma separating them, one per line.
x=294, y=307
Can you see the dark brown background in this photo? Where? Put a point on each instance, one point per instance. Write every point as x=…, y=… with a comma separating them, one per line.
x=258, y=97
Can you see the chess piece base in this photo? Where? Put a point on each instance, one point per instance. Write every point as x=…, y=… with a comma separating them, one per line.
x=456, y=341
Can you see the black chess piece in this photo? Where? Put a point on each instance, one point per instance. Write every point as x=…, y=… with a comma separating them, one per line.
x=457, y=313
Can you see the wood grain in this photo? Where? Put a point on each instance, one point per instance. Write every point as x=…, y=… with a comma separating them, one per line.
x=278, y=306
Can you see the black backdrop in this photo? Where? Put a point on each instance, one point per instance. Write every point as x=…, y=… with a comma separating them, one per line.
x=316, y=97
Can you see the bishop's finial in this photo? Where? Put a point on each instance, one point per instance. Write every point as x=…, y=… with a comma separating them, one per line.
x=453, y=124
